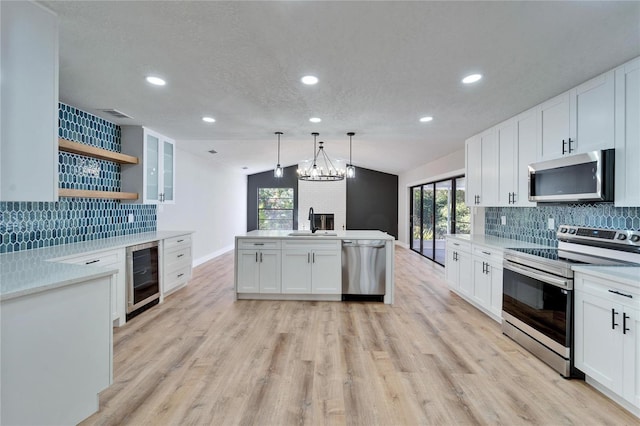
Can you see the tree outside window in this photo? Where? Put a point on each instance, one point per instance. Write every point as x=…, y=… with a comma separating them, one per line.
x=275, y=208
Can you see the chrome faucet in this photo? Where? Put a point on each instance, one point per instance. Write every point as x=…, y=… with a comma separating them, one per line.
x=312, y=221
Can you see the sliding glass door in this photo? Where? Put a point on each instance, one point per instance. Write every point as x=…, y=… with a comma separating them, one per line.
x=437, y=209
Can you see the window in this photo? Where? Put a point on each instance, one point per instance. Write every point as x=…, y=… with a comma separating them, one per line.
x=437, y=209
x=275, y=208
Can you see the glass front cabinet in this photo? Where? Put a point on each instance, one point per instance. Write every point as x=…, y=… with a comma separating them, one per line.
x=154, y=177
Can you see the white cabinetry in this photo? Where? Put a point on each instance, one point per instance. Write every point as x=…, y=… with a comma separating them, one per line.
x=114, y=259
x=311, y=266
x=458, y=266
x=607, y=341
x=154, y=178
x=508, y=162
x=482, y=169
x=176, y=263
x=579, y=120
x=475, y=273
x=527, y=139
x=627, y=134
x=259, y=266
x=29, y=103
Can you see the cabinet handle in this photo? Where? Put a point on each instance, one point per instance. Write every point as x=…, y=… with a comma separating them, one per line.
x=564, y=151
x=513, y=198
x=179, y=241
x=258, y=244
x=313, y=258
x=487, y=253
x=625, y=317
x=260, y=257
x=614, y=324
x=308, y=257
x=456, y=244
x=570, y=150
x=92, y=261
x=180, y=255
x=621, y=294
x=455, y=256
x=256, y=257
x=510, y=194
x=483, y=267
x=179, y=275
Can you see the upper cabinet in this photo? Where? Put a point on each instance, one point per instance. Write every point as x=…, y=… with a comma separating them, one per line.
x=627, y=131
x=482, y=169
x=29, y=103
x=579, y=120
x=154, y=178
x=473, y=166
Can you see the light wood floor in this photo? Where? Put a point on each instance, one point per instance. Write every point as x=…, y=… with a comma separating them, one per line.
x=203, y=358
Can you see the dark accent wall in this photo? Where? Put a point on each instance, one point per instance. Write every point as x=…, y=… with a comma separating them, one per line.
x=266, y=180
x=372, y=201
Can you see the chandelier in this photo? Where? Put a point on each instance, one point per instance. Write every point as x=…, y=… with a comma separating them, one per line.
x=323, y=169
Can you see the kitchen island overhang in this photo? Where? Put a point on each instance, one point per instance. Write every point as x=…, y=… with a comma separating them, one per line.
x=300, y=265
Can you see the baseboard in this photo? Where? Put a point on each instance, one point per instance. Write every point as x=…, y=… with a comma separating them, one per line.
x=402, y=244
x=208, y=257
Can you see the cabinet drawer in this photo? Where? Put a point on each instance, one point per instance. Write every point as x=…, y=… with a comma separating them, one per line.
x=179, y=241
x=177, y=255
x=259, y=244
x=312, y=244
x=95, y=259
x=174, y=278
x=487, y=253
x=608, y=290
x=459, y=245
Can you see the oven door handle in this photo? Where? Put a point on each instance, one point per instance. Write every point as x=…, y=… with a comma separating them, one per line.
x=535, y=274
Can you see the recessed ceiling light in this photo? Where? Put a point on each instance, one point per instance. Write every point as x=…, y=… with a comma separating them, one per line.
x=156, y=81
x=209, y=119
x=471, y=78
x=426, y=119
x=309, y=79
x=315, y=119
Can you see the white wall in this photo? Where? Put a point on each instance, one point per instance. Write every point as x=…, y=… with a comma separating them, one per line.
x=324, y=197
x=442, y=168
x=210, y=200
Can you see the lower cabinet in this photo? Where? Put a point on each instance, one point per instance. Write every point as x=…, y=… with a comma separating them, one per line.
x=607, y=342
x=311, y=267
x=475, y=273
x=297, y=266
x=176, y=263
x=115, y=259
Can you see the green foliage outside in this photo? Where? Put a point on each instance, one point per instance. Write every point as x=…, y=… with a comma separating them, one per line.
x=275, y=208
x=442, y=207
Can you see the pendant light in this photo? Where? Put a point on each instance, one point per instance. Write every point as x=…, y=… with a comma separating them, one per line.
x=278, y=172
x=351, y=169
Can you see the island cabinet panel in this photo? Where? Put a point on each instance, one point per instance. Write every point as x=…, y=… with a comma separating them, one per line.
x=259, y=266
x=56, y=353
x=326, y=273
x=311, y=266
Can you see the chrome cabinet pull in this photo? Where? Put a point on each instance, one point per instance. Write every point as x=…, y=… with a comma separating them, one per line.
x=621, y=294
x=614, y=324
x=625, y=317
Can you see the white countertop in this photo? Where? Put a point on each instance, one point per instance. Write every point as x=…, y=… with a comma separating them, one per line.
x=339, y=235
x=629, y=275
x=32, y=271
x=494, y=242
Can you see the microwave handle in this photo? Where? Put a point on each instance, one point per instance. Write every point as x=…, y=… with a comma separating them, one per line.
x=537, y=275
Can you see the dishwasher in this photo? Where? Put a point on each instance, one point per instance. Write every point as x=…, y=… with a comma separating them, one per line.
x=363, y=270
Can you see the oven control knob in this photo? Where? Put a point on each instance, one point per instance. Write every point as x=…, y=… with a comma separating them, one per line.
x=563, y=230
x=622, y=237
x=635, y=238
x=572, y=231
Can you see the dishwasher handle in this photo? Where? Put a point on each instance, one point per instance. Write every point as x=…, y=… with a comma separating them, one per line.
x=357, y=243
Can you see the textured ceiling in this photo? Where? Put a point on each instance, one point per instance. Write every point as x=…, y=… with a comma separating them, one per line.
x=381, y=65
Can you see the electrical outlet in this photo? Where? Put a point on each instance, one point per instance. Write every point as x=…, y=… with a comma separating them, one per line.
x=551, y=224
x=131, y=218
x=503, y=220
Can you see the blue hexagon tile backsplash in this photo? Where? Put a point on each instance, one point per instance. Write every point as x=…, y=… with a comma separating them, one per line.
x=28, y=225
x=530, y=223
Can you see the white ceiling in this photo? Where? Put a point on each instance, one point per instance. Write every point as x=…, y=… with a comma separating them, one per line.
x=381, y=65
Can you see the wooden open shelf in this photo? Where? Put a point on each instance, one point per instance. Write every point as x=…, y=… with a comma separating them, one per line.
x=92, y=151
x=83, y=193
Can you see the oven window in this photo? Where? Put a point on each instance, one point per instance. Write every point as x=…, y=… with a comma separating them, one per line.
x=145, y=274
x=541, y=306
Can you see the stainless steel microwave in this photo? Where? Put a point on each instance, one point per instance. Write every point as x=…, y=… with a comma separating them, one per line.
x=586, y=177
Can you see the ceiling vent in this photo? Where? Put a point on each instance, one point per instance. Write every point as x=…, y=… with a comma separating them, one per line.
x=213, y=151
x=115, y=113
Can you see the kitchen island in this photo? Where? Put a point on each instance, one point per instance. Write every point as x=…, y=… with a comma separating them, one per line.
x=300, y=265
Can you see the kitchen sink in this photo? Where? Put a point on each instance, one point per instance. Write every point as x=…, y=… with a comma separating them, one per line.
x=310, y=234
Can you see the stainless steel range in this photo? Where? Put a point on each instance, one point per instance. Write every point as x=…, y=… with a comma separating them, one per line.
x=537, y=302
